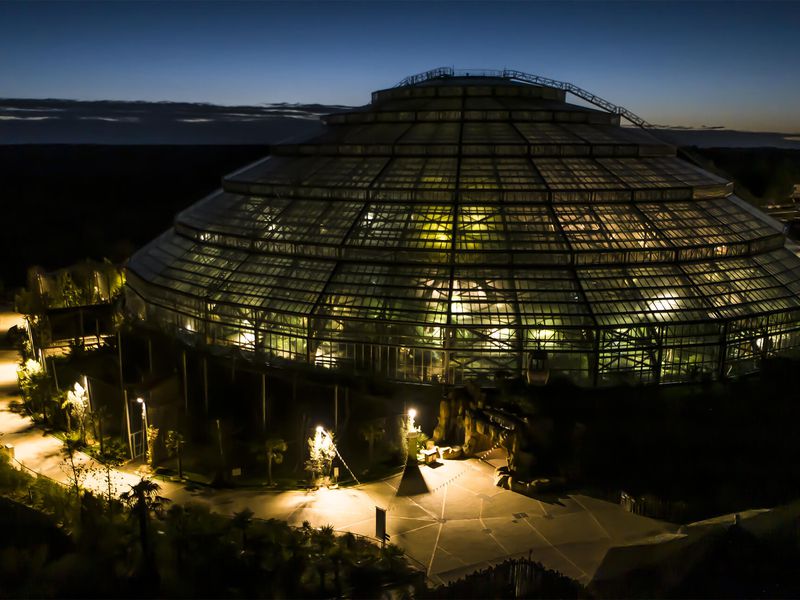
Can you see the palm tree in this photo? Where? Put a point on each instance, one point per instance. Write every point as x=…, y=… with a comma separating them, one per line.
x=372, y=431
x=325, y=541
x=242, y=520
x=143, y=499
x=178, y=530
x=393, y=558
x=275, y=448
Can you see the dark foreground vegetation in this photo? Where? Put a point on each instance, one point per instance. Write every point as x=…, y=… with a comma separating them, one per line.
x=519, y=578
x=66, y=203
x=62, y=204
x=768, y=174
x=66, y=543
x=682, y=453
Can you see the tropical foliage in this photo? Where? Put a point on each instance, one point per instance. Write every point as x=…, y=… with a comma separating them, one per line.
x=74, y=546
x=321, y=452
x=275, y=447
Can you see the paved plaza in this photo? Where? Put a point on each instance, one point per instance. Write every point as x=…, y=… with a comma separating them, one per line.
x=465, y=522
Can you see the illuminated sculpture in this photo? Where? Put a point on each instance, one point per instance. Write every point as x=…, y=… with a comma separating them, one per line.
x=468, y=227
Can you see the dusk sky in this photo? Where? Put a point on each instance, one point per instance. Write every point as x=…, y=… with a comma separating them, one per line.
x=731, y=64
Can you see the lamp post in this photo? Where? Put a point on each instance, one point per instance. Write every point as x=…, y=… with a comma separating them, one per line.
x=145, y=442
x=412, y=413
x=411, y=437
x=141, y=401
x=324, y=449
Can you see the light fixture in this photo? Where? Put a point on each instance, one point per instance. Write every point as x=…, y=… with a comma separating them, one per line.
x=412, y=413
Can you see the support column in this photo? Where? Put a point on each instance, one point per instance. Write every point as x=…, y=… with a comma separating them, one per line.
x=205, y=383
x=55, y=373
x=123, y=392
x=185, y=383
x=336, y=407
x=128, y=422
x=264, y=401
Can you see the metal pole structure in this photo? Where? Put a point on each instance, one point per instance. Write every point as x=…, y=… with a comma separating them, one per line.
x=205, y=382
x=264, y=401
x=55, y=374
x=185, y=384
x=150, y=353
x=336, y=407
x=128, y=421
x=123, y=393
x=88, y=393
x=144, y=419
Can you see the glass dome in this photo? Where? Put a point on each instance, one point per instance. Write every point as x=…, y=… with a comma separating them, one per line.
x=461, y=227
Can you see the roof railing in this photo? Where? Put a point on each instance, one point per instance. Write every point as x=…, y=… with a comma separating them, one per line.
x=445, y=72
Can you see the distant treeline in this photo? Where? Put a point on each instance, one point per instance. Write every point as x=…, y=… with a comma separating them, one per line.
x=767, y=173
x=62, y=204
x=65, y=203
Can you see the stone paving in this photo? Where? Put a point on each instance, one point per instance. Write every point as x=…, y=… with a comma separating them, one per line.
x=465, y=523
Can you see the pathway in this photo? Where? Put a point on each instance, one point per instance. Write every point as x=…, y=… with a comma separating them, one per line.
x=465, y=523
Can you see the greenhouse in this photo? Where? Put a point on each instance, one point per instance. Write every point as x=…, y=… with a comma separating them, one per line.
x=465, y=227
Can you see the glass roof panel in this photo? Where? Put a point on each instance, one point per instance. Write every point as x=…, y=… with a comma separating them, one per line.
x=576, y=173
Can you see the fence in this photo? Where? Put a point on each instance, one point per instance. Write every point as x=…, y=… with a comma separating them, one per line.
x=515, y=578
x=655, y=507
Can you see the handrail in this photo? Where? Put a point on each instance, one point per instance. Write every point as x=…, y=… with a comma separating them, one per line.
x=443, y=72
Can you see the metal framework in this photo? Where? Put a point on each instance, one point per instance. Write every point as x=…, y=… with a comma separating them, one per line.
x=463, y=226
x=512, y=75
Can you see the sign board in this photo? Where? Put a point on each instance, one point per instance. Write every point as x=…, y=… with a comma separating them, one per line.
x=237, y=472
x=380, y=524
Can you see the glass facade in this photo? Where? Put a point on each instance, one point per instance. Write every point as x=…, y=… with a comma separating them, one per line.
x=464, y=227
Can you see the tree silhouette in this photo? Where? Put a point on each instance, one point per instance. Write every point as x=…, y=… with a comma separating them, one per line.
x=143, y=499
x=75, y=469
x=275, y=448
x=373, y=431
x=242, y=521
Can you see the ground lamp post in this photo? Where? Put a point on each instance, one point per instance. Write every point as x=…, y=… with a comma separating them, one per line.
x=322, y=450
x=412, y=435
x=412, y=482
x=321, y=454
x=141, y=401
x=144, y=413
